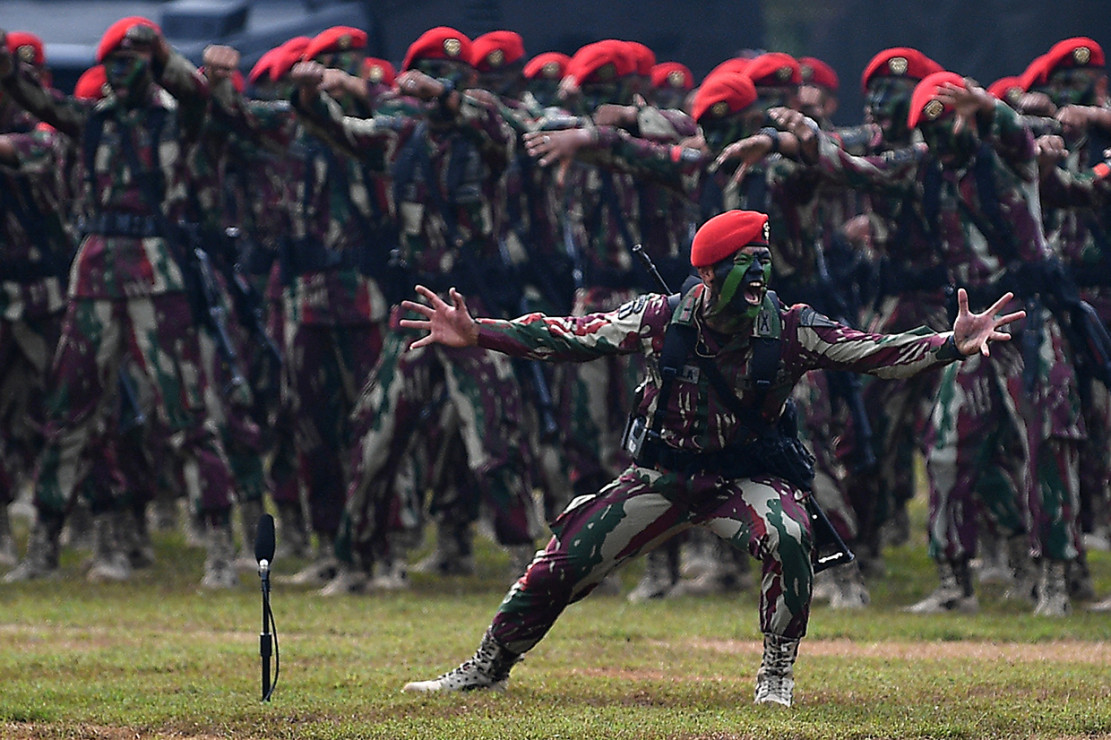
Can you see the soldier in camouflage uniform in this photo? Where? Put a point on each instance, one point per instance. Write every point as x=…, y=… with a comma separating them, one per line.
x=691, y=468
x=126, y=296
x=36, y=247
x=1026, y=399
x=451, y=148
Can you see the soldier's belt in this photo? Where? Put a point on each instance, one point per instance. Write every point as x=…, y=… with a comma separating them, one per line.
x=132, y=225
x=777, y=455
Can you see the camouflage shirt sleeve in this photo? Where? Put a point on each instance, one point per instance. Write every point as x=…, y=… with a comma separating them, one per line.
x=324, y=118
x=636, y=327
x=823, y=344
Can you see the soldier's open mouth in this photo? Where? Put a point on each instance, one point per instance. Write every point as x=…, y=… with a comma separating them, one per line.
x=754, y=292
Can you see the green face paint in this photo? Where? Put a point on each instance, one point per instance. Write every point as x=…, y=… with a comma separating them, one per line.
x=739, y=286
x=128, y=75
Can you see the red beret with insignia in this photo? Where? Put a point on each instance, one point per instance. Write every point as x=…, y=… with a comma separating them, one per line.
x=722, y=95
x=440, y=42
x=290, y=53
x=1007, y=89
x=336, y=38
x=26, y=47
x=774, y=69
x=923, y=101
x=92, y=84
x=116, y=35
x=1077, y=52
x=900, y=61
x=264, y=64
x=602, y=61
x=497, y=49
x=551, y=65
x=672, y=76
x=379, y=71
x=727, y=233
x=644, y=57
x=818, y=73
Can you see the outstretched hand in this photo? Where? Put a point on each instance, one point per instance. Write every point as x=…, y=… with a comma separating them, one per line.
x=973, y=332
x=449, y=324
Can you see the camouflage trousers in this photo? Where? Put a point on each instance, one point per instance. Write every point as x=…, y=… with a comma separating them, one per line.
x=817, y=431
x=899, y=412
x=641, y=510
x=404, y=393
x=595, y=400
x=1006, y=453
x=26, y=348
x=157, y=334
x=327, y=366
x=1095, y=460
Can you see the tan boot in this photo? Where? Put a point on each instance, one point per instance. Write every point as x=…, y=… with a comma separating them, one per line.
x=775, y=681
x=109, y=561
x=661, y=573
x=249, y=514
x=849, y=591
x=8, y=558
x=1053, y=589
x=219, y=567
x=41, y=560
x=1024, y=575
x=954, y=594
x=320, y=571
x=293, y=536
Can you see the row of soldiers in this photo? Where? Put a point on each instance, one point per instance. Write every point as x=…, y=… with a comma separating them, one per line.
x=201, y=277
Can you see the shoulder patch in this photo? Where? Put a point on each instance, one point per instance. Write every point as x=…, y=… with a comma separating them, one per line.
x=809, y=317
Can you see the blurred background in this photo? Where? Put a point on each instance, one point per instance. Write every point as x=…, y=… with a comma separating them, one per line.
x=985, y=39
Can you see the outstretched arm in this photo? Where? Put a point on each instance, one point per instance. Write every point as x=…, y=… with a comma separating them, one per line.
x=973, y=332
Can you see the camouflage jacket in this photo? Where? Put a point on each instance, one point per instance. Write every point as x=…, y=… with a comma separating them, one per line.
x=772, y=186
x=974, y=245
x=112, y=266
x=338, y=212
x=695, y=418
x=445, y=181
x=36, y=240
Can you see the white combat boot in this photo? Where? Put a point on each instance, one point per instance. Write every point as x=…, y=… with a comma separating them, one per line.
x=775, y=681
x=488, y=669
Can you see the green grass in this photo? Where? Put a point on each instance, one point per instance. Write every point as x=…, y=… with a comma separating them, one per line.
x=157, y=657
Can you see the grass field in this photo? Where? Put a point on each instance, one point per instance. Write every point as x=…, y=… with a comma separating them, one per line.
x=158, y=658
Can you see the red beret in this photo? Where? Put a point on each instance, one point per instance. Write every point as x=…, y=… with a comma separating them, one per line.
x=26, y=47
x=550, y=65
x=602, y=61
x=923, y=102
x=899, y=61
x=496, y=49
x=1035, y=73
x=643, y=57
x=773, y=69
x=264, y=64
x=722, y=95
x=379, y=71
x=289, y=54
x=440, y=42
x=818, y=73
x=672, y=75
x=1077, y=52
x=116, y=35
x=736, y=64
x=92, y=84
x=336, y=38
x=1007, y=89
x=727, y=233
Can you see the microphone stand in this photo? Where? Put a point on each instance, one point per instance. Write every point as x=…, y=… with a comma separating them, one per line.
x=265, y=648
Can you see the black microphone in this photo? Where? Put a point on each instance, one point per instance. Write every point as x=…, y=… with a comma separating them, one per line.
x=264, y=544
